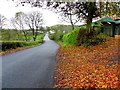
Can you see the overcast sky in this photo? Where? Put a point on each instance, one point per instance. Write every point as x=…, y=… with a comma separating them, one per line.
x=8, y=9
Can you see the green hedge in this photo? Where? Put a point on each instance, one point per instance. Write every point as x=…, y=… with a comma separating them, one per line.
x=71, y=37
x=81, y=37
x=56, y=36
x=13, y=45
x=94, y=37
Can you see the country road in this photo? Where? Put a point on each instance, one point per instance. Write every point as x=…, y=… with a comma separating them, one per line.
x=31, y=68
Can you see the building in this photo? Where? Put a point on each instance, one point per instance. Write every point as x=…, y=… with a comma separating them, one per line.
x=109, y=26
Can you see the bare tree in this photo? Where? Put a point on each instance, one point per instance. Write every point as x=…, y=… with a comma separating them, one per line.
x=34, y=21
x=19, y=24
x=13, y=22
x=68, y=13
x=2, y=21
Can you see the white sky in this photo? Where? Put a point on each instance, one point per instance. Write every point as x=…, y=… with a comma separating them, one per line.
x=8, y=9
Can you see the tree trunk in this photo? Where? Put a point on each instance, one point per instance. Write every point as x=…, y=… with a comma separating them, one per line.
x=36, y=34
x=18, y=35
x=89, y=24
x=91, y=8
x=34, y=38
x=25, y=35
x=33, y=31
x=72, y=26
x=106, y=8
x=100, y=9
x=72, y=22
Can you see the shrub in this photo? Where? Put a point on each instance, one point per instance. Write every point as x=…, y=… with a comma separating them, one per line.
x=10, y=45
x=40, y=37
x=52, y=36
x=81, y=37
x=13, y=45
x=56, y=36
x=71, y=37
x=86, y=38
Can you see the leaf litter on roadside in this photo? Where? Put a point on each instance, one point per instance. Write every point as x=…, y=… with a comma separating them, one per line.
x=91, y=67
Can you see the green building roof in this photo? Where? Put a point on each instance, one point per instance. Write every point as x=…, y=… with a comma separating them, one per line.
x=107, y=19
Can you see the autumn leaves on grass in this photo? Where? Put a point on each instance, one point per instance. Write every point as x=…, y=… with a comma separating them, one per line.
x=91, y=67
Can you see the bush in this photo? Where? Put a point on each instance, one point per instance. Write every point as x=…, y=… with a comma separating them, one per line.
x=71, y=37
x=86, y=38
x=52, y=36
x=10, y=45
x=13, y=45
x=56, y=36
x=81, y=37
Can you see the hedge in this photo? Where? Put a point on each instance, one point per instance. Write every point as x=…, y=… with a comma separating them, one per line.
x=81, y=37
x=71, y=37
x=13, y=45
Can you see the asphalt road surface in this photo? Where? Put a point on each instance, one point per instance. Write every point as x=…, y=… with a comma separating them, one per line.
x=31, y=68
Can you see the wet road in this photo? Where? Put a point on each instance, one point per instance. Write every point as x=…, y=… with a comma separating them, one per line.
x=31, y=68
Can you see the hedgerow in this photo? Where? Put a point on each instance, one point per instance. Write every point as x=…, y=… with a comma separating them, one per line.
x=81, y=37
x=13, y=45
x=71, y=37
